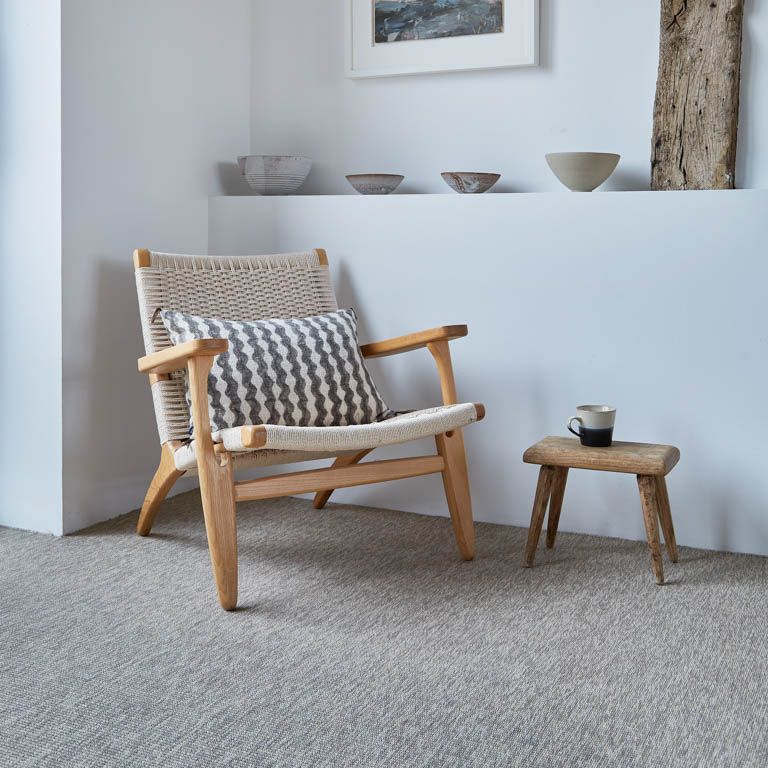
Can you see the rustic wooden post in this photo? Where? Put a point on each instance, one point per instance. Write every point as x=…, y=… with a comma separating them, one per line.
x=696, y=114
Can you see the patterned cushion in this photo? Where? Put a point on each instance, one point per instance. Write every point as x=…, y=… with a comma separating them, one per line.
x=304, y=372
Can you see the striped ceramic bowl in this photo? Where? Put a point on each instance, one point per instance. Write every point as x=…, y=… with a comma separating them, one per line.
x=274, y=174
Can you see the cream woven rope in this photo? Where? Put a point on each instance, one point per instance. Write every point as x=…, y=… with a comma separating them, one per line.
x=399, y=429
x=294, y=444
x=229, y=287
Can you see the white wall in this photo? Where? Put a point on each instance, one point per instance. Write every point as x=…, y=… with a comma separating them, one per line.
x=654, y=302
x=594, y=90
x=158, y=99
x=156, y=109
x=30, y=264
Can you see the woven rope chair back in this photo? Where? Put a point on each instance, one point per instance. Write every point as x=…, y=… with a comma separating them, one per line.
x=231, y=288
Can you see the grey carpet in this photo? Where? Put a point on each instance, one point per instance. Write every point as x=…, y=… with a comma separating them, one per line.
x=363, y=641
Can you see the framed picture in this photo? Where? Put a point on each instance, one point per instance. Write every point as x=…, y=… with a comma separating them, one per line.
x=402, y=37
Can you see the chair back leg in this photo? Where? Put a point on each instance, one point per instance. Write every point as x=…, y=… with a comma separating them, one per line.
x=161, y=484
x=456, y=483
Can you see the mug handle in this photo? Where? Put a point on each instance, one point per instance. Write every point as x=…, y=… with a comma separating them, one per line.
x=570, y=421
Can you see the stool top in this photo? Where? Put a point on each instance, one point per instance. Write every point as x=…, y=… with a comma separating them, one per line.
x=633, y=458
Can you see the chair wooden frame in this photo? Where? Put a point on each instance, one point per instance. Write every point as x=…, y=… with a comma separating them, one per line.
x=220, y=493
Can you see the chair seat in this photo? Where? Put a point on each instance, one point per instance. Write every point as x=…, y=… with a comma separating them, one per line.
x=285, y=445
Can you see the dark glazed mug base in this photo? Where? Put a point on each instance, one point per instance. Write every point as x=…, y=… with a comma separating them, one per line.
x=596, y=438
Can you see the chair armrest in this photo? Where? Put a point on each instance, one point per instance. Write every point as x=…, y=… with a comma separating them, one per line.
x=176, y=358
x=413, y=341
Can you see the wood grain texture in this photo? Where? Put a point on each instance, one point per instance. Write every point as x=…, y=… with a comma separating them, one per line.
x=175, y=358
x=696, y=112
x=142, y=258
x=632, y=458
x=253, y=436
x=451, y=447
x=457, y=494
x=556, y=504
x=321, y=498
x=441, y=352
x=337, y=477
x=543, y=489
x=161, y=484
x=155, y=377
x=413, y=341
x=647, y=486
x=665, y=518
x=216, y=488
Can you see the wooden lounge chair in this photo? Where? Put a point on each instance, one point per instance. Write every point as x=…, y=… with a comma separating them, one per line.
x=281, y=286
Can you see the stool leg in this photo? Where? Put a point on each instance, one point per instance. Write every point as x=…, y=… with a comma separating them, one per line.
x=647, y=486
x=556, y=504
x=543, y=488
x=665, y=517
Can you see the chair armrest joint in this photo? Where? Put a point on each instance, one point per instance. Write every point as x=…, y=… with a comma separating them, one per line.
x=175, y=358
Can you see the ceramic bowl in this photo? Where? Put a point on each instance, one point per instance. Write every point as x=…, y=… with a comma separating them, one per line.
x=582, y=171
x=375, y=183
x=470, y=183
x=274, y=174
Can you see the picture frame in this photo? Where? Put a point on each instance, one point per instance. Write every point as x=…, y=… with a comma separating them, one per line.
x=516, y=45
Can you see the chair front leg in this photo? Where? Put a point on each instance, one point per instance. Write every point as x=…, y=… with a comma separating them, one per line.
x=216, y=488
x=451, y=447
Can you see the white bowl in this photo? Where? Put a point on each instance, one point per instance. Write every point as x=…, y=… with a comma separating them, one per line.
x=375, y=183
x=274, y=174
x=582, y=171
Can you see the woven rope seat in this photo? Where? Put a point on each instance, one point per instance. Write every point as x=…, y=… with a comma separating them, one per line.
x=291, y=444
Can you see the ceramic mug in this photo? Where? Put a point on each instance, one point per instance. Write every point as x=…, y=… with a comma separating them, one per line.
x=595, y=425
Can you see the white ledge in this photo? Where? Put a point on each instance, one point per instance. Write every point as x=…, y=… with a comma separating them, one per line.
x=494, y=195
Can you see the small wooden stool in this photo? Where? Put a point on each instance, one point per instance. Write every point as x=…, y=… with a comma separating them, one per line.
x=651, y=463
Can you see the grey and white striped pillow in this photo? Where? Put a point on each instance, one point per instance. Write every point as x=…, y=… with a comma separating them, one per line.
x=305, y=372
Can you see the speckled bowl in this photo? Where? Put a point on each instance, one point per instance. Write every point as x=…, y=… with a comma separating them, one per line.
x=375, y=183
x=466, y=183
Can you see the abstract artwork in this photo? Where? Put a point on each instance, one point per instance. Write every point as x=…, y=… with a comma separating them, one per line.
x=398, y=20
x=405, y=37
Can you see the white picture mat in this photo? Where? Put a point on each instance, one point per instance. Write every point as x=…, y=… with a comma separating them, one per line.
x=516, y=46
